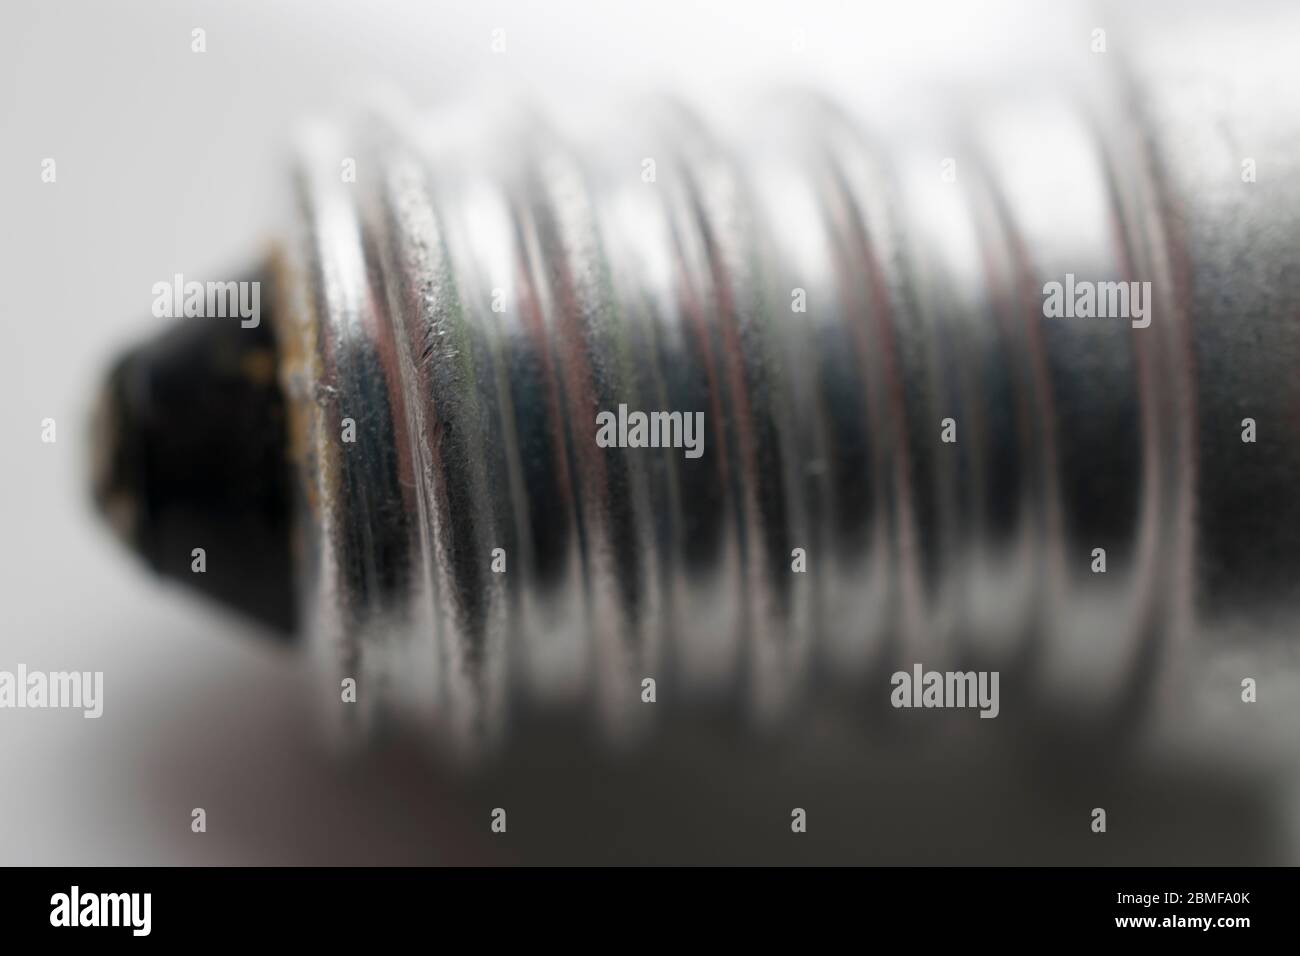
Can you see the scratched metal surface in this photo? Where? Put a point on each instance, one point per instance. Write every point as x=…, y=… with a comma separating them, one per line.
x=476, y=427
x=200, y=711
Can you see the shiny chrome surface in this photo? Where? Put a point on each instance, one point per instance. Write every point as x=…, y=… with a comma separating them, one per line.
x=475, y=428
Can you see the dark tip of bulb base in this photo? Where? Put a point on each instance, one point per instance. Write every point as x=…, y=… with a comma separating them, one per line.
x=190, y=468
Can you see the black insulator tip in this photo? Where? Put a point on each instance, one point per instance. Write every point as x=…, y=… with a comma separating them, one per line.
x=190, y=453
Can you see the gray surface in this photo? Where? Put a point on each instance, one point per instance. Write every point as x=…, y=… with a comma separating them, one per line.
x=170, y=162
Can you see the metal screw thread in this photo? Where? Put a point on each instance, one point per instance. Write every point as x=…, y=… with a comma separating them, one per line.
x=836, y=309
